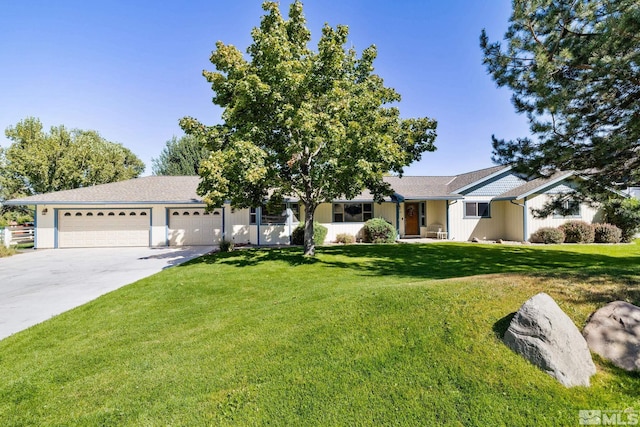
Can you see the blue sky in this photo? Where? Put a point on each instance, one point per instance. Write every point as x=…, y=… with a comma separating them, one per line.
x=132, y=69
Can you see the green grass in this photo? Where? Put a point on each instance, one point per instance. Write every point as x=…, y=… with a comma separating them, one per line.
x=361, y=335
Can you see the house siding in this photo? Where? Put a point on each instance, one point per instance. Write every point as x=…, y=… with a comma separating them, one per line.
x=513, y=216
x=587, y=214
x=436, y=214
x=497, y=186
x=462, y=229
x=324, y=215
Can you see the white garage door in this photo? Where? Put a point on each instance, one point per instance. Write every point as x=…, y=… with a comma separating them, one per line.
x=103, y=227
x=194, y=227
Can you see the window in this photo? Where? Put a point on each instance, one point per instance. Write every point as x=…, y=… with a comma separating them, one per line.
x=185, y=213
x=78, y=214
x=100, y=214
x=132, y=214
x=89, y=213
x=295, y=212
x=196, y=213
x=143, y=214
x=67, y=214
x=111, y=214
x=570, y=209
x=476, y=210
x=272, y=214
x=352, y=212
x=175, y=213
x=423, y=214
x=121, y=214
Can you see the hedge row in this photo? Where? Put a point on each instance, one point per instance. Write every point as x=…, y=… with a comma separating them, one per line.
x=578, y=232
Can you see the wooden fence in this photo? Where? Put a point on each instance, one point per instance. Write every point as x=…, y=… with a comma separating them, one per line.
x=16, y=235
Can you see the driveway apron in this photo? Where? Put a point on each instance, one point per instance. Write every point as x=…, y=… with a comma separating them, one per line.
x=39, y=284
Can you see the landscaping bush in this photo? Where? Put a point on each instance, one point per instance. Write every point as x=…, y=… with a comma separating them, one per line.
x=607, y=233
x=319, y=234
x=345, y=238
x=226, y=246
x=624, y=214
x=577, y=232
x=547, y=235
x=378, y=230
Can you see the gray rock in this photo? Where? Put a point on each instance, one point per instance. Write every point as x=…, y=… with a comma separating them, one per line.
x=613, y=332
x=543, y=334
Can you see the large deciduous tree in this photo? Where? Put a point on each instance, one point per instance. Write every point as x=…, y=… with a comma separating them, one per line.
x=574, y=69
x=40, y=162
x=180, y=157
x=312, y=124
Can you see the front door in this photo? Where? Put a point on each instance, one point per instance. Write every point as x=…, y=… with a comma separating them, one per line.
x=411, y=215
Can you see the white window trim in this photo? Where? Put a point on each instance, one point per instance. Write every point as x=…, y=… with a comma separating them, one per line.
x=476, y=202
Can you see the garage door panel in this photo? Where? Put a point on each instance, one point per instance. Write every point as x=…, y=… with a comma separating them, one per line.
x=103, y=228
x=194, y=227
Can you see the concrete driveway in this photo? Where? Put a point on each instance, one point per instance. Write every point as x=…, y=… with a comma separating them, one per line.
x=36, y=285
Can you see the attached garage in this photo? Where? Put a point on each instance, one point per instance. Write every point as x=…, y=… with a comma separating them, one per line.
x=194, y=227
x=87, y=228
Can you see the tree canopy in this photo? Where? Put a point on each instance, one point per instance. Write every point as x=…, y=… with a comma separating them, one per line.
x=40, y=162
x=312, y=124
x=574, y=69
x=180, y=157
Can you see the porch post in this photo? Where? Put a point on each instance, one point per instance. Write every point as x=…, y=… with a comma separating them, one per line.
x=525, y=219
x=448, y=230
x=7, y=236
x=258, y=219
x=397, y=219
x=224, y=230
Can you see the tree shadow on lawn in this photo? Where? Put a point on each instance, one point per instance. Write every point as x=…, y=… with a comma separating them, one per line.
x=446, y=260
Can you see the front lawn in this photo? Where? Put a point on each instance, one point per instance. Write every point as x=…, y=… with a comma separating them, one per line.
x=361, y=335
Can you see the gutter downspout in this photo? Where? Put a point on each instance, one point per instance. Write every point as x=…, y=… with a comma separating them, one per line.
x=525, y=225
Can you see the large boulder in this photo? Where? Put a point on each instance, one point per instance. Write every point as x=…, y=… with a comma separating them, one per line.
x=613, y=332
x=543, y=334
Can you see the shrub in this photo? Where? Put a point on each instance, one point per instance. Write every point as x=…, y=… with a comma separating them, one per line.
x=547, y=235
x=378, y=230
x=624, y=214
x=319, y=234
x=607, y=233
x=577, y=232
x=226, y=246
x=345, y=238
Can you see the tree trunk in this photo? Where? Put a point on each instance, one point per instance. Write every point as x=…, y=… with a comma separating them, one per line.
x=309, y=244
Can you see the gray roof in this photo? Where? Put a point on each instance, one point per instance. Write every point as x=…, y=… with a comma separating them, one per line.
x=421, y=187
x=148, y=189
x=470, y=178
x=182, y=189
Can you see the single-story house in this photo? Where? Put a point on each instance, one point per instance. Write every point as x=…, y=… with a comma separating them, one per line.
x=488, y=204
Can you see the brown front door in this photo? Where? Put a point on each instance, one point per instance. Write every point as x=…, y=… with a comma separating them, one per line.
x=411, y=215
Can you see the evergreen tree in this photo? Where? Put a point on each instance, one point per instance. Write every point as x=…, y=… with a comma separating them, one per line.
x=180, y=157
x=574, y=69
